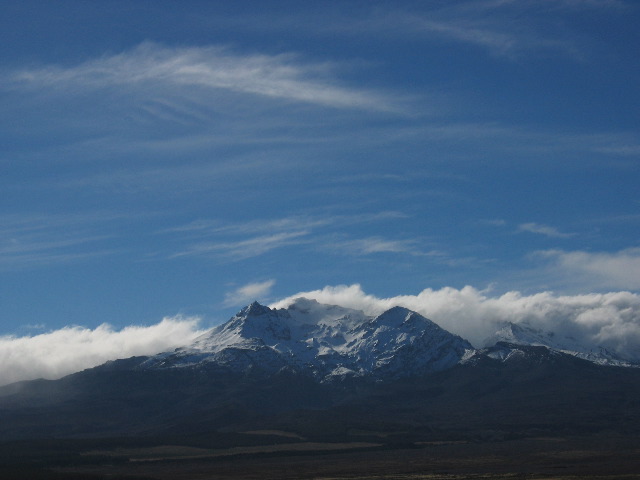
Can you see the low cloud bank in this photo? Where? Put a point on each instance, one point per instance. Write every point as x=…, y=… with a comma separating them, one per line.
x=55, y=354
x=615, y=269
x=611, y=320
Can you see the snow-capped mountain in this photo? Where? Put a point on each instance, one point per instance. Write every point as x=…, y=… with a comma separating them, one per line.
x=319, y=367
x=326, y=341
x=511, y=333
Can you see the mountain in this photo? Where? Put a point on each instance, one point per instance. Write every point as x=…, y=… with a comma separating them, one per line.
x=323, y=371
x=526, y=335
x=324, y=341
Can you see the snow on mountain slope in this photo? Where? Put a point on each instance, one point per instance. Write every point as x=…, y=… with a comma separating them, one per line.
x=517, y=354
x=323, y=340
x=524, y=335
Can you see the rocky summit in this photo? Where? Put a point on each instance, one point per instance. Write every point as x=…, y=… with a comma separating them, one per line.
x=325, y=341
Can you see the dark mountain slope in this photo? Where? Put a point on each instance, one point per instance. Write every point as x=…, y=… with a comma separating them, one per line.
x=529, y=395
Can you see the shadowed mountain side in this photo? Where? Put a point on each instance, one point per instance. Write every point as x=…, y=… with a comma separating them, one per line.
x=536, y=393
x=489, y=400
x=124, y=401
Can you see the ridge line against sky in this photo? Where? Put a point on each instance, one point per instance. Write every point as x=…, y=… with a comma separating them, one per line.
x=161, y=160
x=593, y=320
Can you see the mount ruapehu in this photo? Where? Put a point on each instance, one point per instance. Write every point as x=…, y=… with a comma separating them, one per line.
x=324, y=371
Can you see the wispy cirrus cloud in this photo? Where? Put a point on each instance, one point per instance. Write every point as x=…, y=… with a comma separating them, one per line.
x=493, y=222
x=247, y=293
x=155, y=67
x=545, y=230
x=246, y=248
x=511, y=29
x=503, y=28
x=525, y=141
x=31, y=240
x=229, y=241
x=295, y=222
x=292, y=222
x=373, y=245
x=473, y=32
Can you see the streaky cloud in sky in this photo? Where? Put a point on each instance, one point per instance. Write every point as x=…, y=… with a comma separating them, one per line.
x=611, y=320
x=378, y=245
x=546, y=230
x=243, y=249
x=235, y=241
x=70, y=349
x=248, y=293
x=506, y=29
x=31, y=241
x=149, y=65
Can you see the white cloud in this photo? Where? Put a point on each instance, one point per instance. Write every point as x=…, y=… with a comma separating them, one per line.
x=290, y=223
x=372, y=245
x=623, y=150
x=503, y=29
x=284, y=224
x=55, y=354
x=497, y=222
x=151, y=66
x=493, y=40
x=241, y=240
x=512, y=28
x=243, y=249
x=543, y=230
x=608, y=270
x=609, y=319
x=28, y=241
x=248, y=293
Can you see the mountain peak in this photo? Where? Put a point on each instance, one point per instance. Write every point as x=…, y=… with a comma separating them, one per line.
x=323, y=341
x=307, y=311
x=523, y=334
x=398, y=310
x=304, y=304
x=254, y=309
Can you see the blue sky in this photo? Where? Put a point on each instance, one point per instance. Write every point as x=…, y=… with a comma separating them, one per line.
x=162, y=159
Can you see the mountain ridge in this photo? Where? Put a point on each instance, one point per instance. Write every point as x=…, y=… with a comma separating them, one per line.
x=524, y=334
x=323, y=341
x=321, y=370
x=330, y=340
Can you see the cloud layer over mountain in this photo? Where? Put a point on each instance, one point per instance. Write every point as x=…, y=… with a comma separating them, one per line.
x=608, y=319
x=61, y=352
x=611, y=320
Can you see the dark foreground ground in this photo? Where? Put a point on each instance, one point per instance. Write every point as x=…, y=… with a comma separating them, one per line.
x=544, y=417
x=365, y=455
